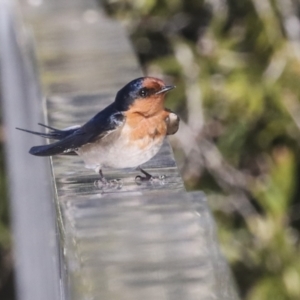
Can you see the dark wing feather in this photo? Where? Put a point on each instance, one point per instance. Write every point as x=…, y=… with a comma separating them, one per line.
x=54, y=134
x=63, y=146
x=99, y=126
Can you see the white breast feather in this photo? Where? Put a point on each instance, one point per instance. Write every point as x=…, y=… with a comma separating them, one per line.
x=117, y=151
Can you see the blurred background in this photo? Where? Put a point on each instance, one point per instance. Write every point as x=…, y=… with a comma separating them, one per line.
x=236, y=65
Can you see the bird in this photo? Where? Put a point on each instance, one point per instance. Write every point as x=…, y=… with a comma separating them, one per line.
x=125, y=134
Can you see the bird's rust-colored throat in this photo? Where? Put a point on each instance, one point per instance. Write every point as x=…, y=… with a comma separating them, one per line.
x=142, y=127
x=146, y=107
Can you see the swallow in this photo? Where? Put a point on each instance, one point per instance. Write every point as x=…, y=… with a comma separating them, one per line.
x=125, y=134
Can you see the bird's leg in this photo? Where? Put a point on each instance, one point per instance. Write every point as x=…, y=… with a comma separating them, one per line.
x=102, y=179
x=148, y=177
x=104, y=183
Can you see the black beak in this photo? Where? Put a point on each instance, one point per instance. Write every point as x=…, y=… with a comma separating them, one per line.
x=166, y=89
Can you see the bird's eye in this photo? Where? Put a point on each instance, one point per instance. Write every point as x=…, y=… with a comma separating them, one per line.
x=143, y=92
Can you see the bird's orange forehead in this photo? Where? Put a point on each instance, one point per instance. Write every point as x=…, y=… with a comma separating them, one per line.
x=153, y=83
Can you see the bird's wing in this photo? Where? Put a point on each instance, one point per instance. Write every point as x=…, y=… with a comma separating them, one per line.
x=101, y=125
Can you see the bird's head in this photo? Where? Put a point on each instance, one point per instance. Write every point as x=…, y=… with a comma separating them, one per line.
x=143, y=95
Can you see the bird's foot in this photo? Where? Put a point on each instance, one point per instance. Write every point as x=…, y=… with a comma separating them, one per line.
x=149, y=178
x=116, y=184
x=103, y=183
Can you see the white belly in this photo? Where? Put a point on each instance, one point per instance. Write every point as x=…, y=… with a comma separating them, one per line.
x=117, y=151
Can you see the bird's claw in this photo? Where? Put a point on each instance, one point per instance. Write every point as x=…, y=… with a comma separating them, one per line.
x=139, y=179
x=153, y=179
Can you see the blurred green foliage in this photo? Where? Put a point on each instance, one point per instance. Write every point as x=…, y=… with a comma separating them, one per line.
x=236, y=65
